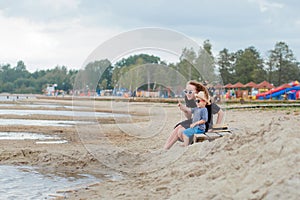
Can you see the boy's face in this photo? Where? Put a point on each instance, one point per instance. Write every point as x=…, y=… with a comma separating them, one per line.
x=200, y=102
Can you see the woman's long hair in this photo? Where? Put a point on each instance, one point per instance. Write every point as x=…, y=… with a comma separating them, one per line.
x=200, y=87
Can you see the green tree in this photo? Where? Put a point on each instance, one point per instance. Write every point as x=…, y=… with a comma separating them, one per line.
x=249, y=66
x=122, y=68
x=7, y=73
x=207, y=47
x=93, y=74
x=282, y=65
x=197, y=66
x=225, y=62
x=205, y=64
x=20, y=67
x=133, y=60
x=19, y=80
x=106, y=77
x=187, y=63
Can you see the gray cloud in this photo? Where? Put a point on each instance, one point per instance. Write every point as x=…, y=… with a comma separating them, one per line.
x=231, y=24
x=259, y=23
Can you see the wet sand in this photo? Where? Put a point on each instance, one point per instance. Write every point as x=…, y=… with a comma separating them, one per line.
x=260, y=160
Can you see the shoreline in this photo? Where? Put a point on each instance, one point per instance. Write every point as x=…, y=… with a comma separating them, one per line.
x=141, y=99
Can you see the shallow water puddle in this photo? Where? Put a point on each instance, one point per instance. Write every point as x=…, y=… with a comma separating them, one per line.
x=32, y=122
x=26, y=183
x=52, y=142
x=59, y=112
x=15, y=97
x=42, y=138
x=26, y=136
x=44, y=106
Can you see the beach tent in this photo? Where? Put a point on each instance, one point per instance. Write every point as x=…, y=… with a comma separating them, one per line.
x=265, y=85
x=239, y=93
x=238, y=85
x=251, y=85
x=229, y=85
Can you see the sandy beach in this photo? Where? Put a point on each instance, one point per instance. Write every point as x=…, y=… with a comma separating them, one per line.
x=260, y=160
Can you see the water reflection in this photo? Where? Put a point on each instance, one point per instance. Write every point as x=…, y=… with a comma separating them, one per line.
x=59, y=112
x=9, y=97
x=52, y=142
x=44, y=106
x=26, y=183
x=32, y=122
x=26, y=136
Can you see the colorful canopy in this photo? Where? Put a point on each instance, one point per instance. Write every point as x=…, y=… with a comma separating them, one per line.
x=238, y=85
x=228, y=85
x=251, y=85
x=265, y=84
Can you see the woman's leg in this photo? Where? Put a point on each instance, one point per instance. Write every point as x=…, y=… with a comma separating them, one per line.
x=177, y=132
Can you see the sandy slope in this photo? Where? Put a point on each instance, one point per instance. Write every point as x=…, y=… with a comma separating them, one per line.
x=259, y=161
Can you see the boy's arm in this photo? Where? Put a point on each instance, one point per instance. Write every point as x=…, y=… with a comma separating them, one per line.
x=198, y=123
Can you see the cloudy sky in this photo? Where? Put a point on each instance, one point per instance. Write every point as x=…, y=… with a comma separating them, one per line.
x=46, y=33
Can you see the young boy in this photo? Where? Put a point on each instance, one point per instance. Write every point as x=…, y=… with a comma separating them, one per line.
x=200, y=116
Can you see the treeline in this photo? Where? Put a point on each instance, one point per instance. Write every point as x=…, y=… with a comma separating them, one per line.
x=278, y=67
x=19, y=80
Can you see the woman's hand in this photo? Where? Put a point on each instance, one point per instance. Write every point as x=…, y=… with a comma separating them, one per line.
x=180, y=105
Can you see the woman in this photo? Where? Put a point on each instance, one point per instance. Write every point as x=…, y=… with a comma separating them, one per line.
x=192, y=88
